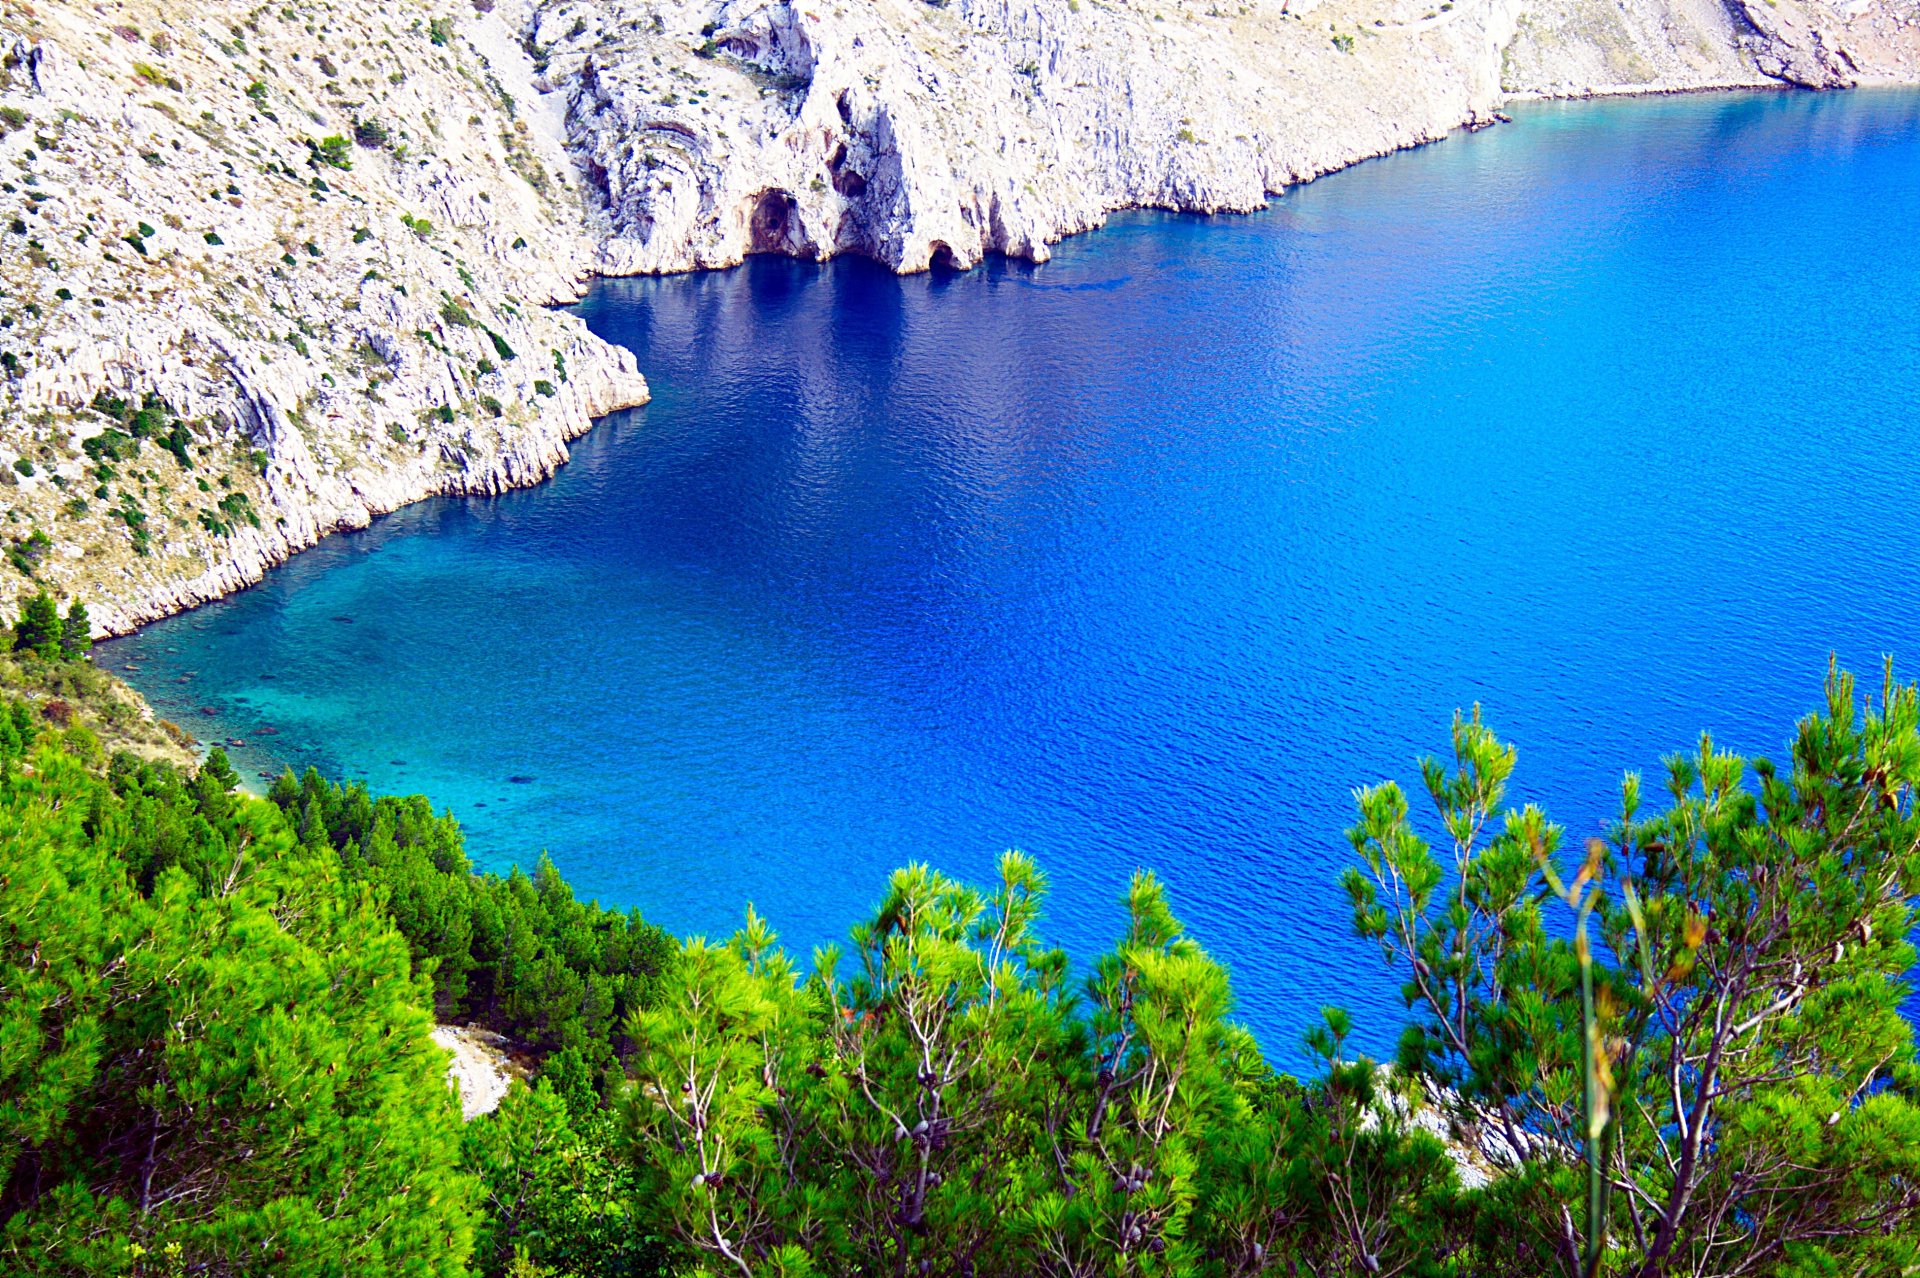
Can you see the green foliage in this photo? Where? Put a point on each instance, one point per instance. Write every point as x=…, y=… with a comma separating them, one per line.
x=518, y=954
x=500, y=346
x=213, y=1058
x=453, y=313
x=1713, y=1065
x=951, y=1106
x=111, y=445
x=440, y=30
x=155, y=76
x=153, y=419
x=560, y=1192
x=232, y=510
x=76, y=632
x=39, y=629
x=332, y=151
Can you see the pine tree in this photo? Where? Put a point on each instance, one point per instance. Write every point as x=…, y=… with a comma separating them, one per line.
x=217, y=1059
x=76, y=634
x=1705, y=1069
x=38, y=630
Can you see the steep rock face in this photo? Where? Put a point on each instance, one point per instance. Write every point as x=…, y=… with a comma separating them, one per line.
x=911, y=133
x=917, y=133
x=317, y=247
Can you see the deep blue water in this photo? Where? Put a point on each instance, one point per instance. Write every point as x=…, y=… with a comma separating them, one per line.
x=1605, y=419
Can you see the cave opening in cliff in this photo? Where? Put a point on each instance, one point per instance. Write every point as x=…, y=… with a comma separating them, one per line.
x=942, y=258
x=774, y=226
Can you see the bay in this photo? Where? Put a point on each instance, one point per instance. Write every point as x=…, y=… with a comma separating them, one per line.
x=1604, y=420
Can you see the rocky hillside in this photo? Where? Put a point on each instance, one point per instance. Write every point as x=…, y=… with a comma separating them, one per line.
x=266, y=273
x=271, y=271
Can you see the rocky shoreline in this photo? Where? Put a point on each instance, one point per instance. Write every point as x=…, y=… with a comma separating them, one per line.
x=269, y=275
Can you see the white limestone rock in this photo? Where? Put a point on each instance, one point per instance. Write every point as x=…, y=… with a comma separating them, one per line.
x=912, y=132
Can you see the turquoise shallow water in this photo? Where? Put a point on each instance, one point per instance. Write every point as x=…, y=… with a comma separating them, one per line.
x=1605, y=419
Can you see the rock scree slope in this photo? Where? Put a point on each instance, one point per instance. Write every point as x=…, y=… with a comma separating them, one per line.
x=271, y=271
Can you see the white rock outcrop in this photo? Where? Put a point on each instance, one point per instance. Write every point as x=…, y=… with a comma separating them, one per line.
x=915, y=132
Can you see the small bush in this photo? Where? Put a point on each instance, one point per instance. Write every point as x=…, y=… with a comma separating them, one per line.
x=500, y=346
x=370, y=133
x=213, y=237
x=27, y=553
x=544, y=388
x=334, y=151
x=23, y=465
x=111, y=445
x=155, y=76
x=440, y=30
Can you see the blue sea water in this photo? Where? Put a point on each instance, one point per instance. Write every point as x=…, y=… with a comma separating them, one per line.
x=1605, y=420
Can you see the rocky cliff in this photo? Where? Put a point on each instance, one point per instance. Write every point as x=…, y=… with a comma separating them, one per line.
x=269, y=272
x=917, y=132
